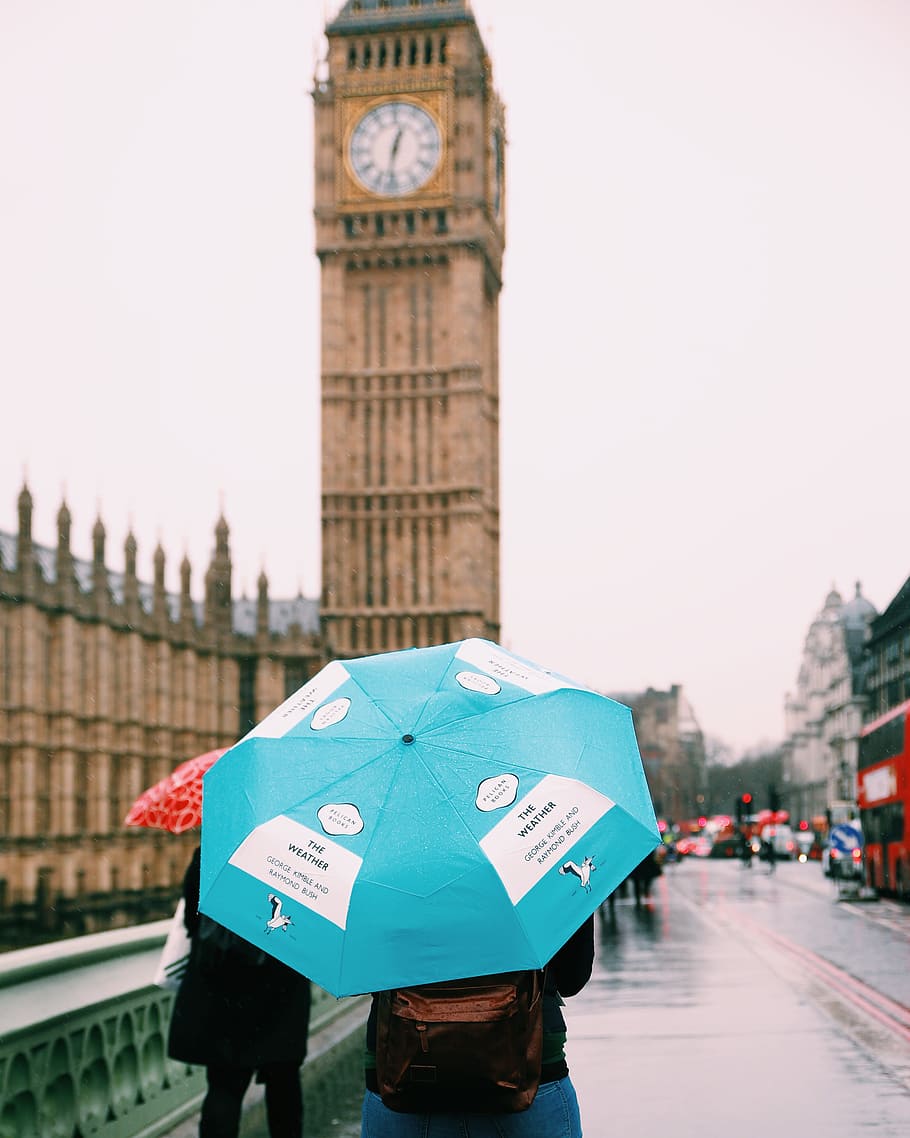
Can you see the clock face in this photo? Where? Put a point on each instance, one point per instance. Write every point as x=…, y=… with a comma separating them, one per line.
x=395, y=148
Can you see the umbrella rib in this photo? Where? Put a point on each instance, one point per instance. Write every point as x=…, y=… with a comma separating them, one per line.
x=372, y=838
x=443, y=676
x=473, y=716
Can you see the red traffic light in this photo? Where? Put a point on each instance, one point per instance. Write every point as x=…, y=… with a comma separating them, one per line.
x=747, y=799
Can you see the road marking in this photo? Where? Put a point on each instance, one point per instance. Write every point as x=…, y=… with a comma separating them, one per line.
x=893, y=1015
x=837, y=994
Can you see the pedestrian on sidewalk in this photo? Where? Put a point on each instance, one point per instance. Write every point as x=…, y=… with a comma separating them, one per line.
x=747, y=852
x=770, y=855
x=643, y=876
x=553, y=1113
x=239, y=1013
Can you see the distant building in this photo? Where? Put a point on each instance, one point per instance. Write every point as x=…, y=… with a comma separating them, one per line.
x=888, y=651
x=672, y=750
x=824, y=715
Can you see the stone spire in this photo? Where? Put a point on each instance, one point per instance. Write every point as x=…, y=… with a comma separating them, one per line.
x=25, y=515
x=100, y=592
x=130, y=581
x=218, y=582
x=262, y=605
x=186, y=601
x=159, y=603
x=98, y=539
x=66, y=577
x=64, y=527
x=25, y=555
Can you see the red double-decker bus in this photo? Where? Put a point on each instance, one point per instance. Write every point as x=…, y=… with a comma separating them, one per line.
x=883, y=793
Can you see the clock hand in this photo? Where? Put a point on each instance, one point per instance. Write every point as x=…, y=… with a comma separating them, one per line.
x=395, y=148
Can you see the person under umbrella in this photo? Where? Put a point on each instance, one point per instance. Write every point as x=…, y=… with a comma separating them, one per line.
x=554, y=1111
x=445, y=818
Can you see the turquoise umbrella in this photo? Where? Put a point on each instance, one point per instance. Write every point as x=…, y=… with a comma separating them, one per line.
x=424, y=815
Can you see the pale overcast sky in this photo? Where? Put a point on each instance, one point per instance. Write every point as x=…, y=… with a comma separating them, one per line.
x=705, y=340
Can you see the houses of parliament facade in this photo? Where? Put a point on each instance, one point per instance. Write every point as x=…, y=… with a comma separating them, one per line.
x=107, y=682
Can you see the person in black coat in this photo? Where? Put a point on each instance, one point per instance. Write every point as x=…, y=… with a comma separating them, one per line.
x=239, y=1012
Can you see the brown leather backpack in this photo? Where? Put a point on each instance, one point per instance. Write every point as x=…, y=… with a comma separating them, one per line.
x=470, y=1045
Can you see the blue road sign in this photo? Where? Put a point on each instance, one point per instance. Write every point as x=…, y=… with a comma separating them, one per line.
x=845, y=837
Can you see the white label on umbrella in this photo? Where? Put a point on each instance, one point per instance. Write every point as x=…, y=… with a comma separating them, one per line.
x=492, y=660
x=496, y=793
x=540, y=829
x=330, y=713
x=299, y=705
x=301, y=864
x=340, y=818
x=474, y=681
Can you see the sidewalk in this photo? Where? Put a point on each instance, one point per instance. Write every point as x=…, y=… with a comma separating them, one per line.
x=693, y=1029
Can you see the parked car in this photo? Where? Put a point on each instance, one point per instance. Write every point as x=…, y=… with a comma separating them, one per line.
x=838, y=865
x=805, y=840
x=684, y=845
x=727, y=846
x=780, y=836
x=702, y=846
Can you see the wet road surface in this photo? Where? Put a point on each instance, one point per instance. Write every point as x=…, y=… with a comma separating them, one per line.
x=735, y=1002
x=710, y=1011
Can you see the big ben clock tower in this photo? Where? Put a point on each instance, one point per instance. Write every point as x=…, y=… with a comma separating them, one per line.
x=410, y=233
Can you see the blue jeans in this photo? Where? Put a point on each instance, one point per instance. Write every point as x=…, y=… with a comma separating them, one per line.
x=552, y=1114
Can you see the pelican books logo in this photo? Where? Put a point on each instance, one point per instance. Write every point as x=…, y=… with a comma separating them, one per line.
x=304, y=864
x=540, y=829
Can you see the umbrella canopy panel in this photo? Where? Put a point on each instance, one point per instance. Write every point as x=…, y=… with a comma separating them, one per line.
x=423, y=815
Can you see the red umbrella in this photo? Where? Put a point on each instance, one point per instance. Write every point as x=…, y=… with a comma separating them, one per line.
x=174, y=803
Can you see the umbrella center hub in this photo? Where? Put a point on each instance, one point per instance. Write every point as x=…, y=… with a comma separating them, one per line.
x=407, y=738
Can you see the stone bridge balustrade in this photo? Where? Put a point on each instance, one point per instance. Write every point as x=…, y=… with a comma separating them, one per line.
x=83, y=1042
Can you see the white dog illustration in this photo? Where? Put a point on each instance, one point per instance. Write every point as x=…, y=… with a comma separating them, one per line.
x=277, y=921
x=582, y=872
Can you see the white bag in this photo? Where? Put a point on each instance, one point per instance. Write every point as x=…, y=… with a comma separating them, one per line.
x=175, y=955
